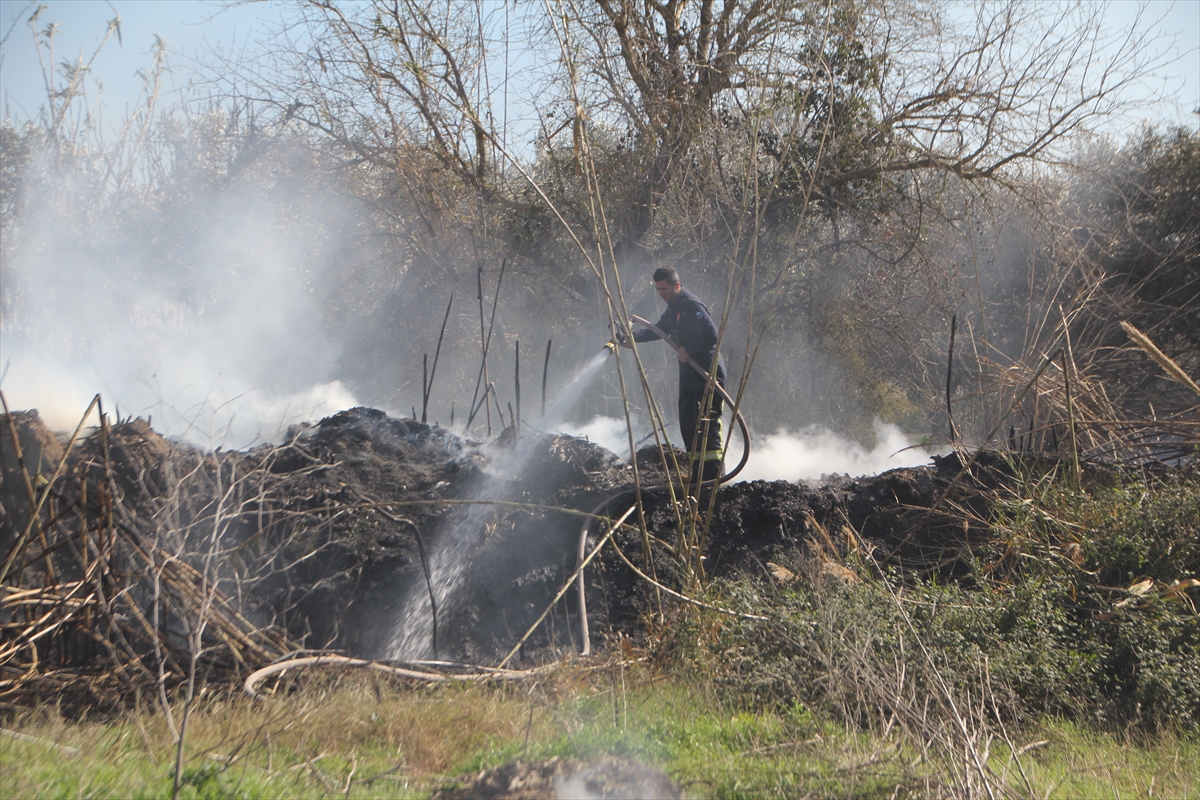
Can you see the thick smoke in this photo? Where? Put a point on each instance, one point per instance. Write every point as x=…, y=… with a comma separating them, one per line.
x=200, y=309
x=789, y=455
x=608, y=432
x=816, y=451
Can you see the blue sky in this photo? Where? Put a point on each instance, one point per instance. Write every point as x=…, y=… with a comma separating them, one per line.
x=187, y=26
x=191, y=26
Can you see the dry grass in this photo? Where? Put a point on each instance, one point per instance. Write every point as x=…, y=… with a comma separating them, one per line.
x=426, y=730
x=322, y=735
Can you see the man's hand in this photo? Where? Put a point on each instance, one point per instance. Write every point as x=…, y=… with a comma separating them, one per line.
x=683, y=356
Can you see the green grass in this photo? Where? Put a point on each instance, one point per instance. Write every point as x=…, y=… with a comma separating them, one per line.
x=1078, y=763
x=329, y=733
x=866, y=689
x=715, y=750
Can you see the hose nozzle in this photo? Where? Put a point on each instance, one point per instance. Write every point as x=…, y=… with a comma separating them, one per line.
x=617, y=340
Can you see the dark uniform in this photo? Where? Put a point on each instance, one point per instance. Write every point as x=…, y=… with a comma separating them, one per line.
x=688, y=322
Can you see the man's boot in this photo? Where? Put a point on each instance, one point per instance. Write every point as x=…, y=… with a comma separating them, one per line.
x=707, y=470
x=712, y=469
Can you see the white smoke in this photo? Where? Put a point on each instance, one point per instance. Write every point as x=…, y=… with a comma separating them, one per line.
x=204, y=314
x=608, y=432
x=816, y=451
x=258, y=415
x=786, y=455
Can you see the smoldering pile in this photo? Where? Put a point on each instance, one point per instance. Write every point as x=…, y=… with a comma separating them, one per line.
x=127, y=555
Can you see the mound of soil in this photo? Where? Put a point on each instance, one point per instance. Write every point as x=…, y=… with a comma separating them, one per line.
x=325, y=530
x=368, y=483
x=347, y=533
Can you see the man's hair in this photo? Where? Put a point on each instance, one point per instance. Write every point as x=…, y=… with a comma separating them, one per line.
x=667, y=274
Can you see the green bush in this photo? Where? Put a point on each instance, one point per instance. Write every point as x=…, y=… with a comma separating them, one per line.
x=1058, y=628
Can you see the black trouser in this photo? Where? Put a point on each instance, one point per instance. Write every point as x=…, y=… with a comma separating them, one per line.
x=691, y=403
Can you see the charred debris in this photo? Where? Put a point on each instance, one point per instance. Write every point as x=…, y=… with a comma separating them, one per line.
x=130, y=559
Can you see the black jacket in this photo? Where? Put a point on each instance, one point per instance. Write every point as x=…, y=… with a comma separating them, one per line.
x=688, y=322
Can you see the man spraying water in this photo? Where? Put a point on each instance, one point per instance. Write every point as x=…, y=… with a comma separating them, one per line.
x=688, y=322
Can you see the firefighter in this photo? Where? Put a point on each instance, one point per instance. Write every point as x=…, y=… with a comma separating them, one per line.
x=689, y=323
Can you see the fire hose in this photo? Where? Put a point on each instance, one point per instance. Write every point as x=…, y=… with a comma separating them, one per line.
x=712, y=482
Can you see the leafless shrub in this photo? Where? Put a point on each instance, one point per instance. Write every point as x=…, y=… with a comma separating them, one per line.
x=127, y=578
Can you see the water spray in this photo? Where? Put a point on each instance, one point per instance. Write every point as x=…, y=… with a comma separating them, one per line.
x=447, y=562
x=611, y=346
x=447, y=566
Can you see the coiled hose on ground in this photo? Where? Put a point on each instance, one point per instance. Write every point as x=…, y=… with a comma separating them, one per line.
x=713, y=482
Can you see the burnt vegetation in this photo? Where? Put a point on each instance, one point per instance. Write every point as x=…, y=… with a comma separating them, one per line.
x=897, y=215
